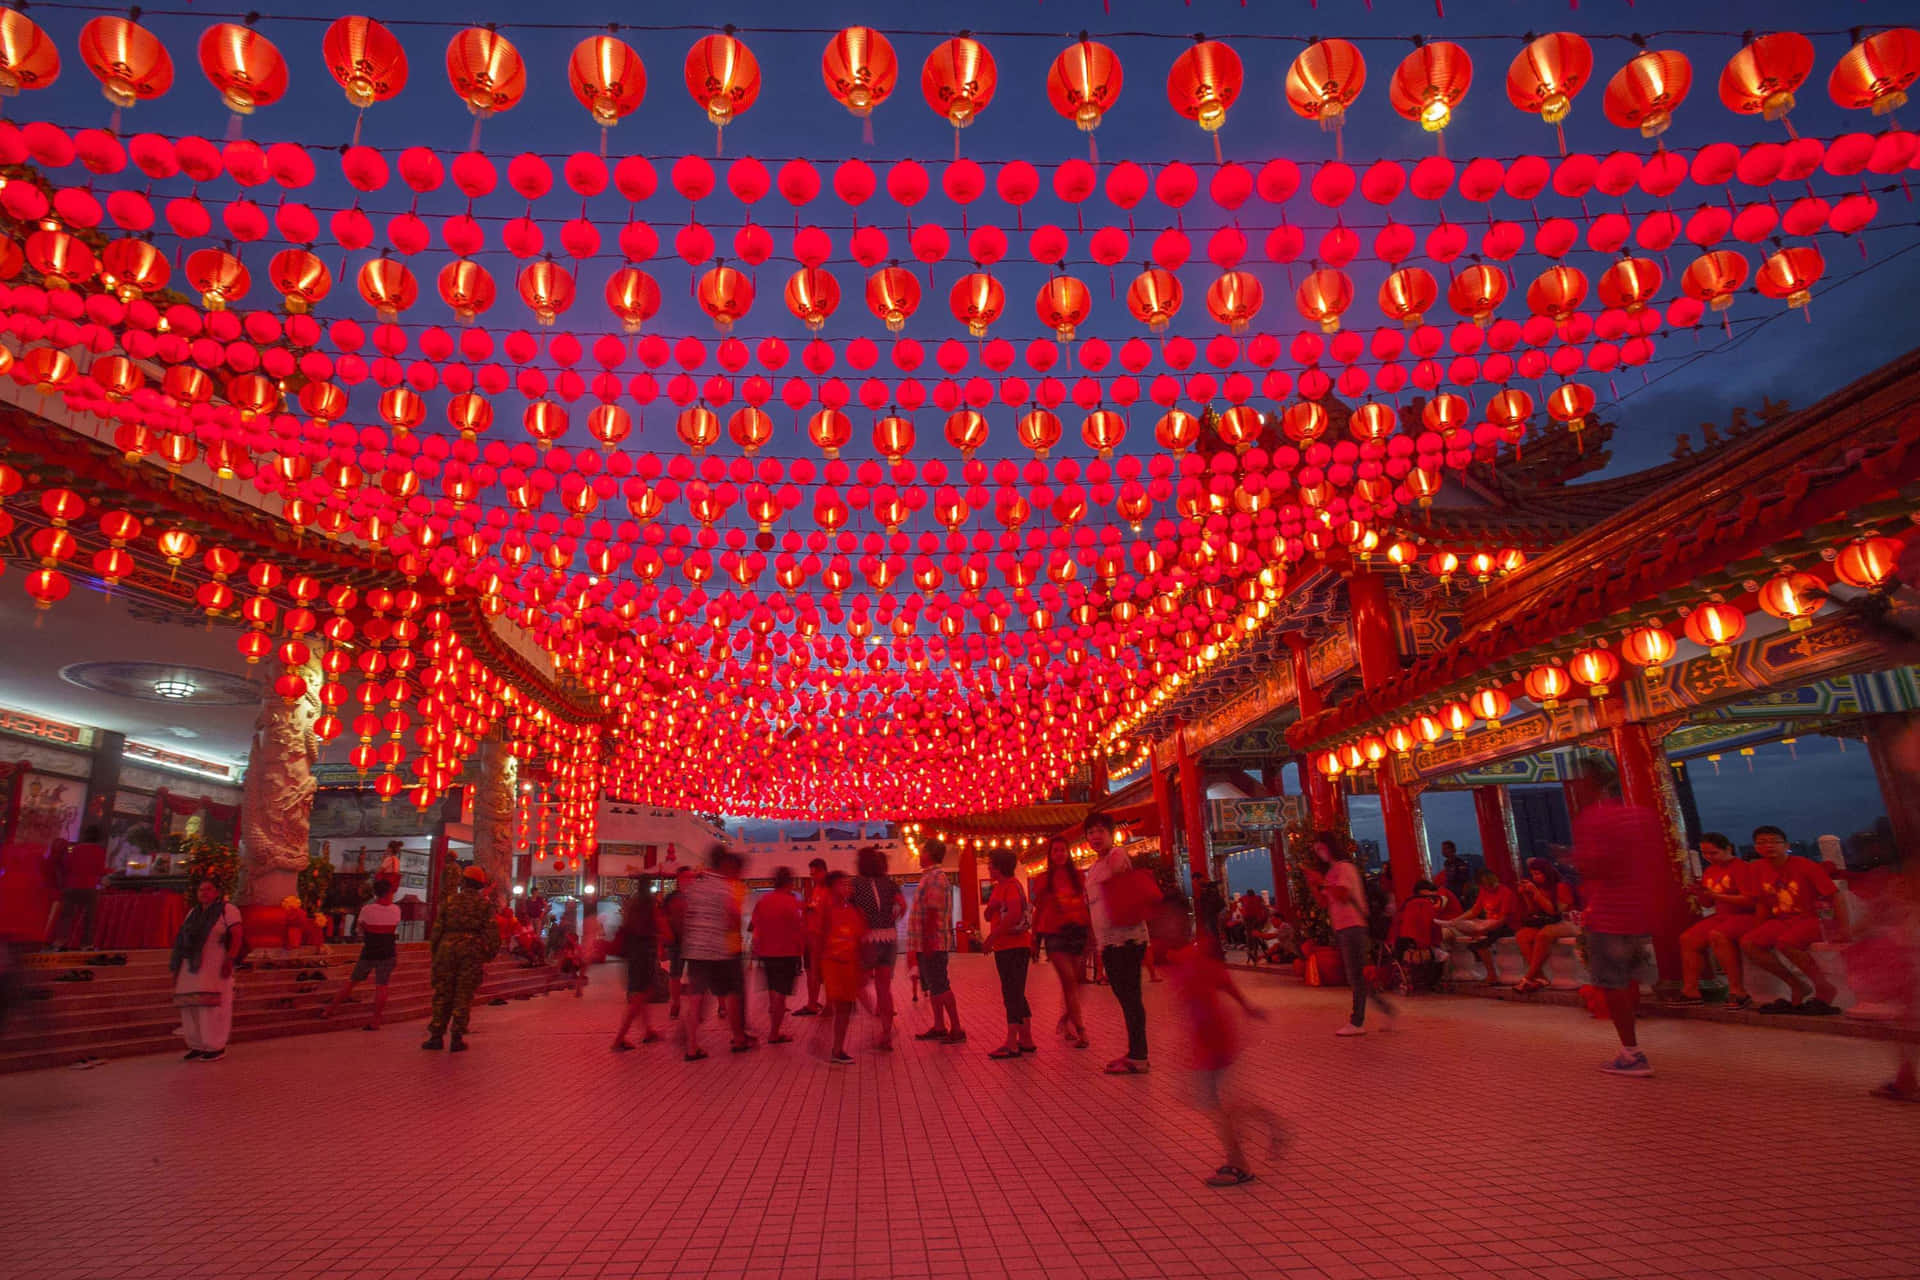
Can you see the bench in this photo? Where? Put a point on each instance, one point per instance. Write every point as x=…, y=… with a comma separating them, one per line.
x=1463, y=967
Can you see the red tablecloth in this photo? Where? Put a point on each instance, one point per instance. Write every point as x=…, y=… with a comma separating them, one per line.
x=129, y=919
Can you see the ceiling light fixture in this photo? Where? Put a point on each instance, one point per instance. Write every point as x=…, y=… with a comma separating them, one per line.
x=175, y=687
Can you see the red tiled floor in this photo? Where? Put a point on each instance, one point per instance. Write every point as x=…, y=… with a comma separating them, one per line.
x=1479, y=1140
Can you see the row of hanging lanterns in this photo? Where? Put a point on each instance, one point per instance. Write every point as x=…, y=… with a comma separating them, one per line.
x=959, y=77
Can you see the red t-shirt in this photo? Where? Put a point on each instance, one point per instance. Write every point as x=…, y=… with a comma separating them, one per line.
x=83, y=867
x=819, y=910
x=1502, y=904
x=777, y=927
x=1010, y=899
x=1621, y=850
x=1734, y=878
x=1792, y=890
x=1416, y=922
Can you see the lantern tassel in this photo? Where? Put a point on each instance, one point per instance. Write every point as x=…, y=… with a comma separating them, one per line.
x=956, y=144
x=1560, y=132
x=473, y=139
x=1093, y=149
x=866, y=131
x=719, y=140
x=1217, y=159
x=234, y=125
x=358, y=118
x=603, y=142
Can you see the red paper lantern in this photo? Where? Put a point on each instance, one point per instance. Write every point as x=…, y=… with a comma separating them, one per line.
x=1510, y=411
x=1713, y=278
x=1876, y=73
x=1103, y=431
x=860, y=69
x=1304, y=421
x=467, y=287
x=1477, y=292
x=698, y=427
x=893, y=294
x=1235, y=299
x=1204, y=82
x=633, y=296
x=302, y=280
x=1429, y=83
x=1154, y=298
x=1644, y=94
x=486, y=71
x=1648, y=645
x=1083, y=82
x=1570, y=403
x=219, y=277
x=1867, y=563
x=723, y=77
x=1789, y=274
x=966, y=431
x=1763, y=76
x=1063, y=305
x=609, y=424
x=1490, y=704
x=1547, y=684
x=63, y=260
x=388, y=287
x=1323, y=297
x=1372, y=421
x=1595, y=668
x=244, y=66
x=29, y=59
x=1715, y=627
x=1557, y=292
x=1324, y=79
x=750, y=428
x=1630, y=284
x=726, y=295
x=958, y=80
x=812, y=295
x=128, y=60
x=547, y=288
x=1408, y=294
x=1548, y=73
x=1039, y=431
x=366, y=59
x=608, y=78
x=1793, y=597
x=976, y=301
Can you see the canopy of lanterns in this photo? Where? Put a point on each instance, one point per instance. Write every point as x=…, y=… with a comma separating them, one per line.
x=895, y=562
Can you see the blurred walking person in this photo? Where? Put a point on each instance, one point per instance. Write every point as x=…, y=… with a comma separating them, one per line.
x=929, y=937
x=638, y=941
x=379, y=929
x=779, y=935
x=881, y=901
x=1620, y=850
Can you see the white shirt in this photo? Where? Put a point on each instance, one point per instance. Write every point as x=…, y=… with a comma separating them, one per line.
x=379, y=916
x=1110, y=934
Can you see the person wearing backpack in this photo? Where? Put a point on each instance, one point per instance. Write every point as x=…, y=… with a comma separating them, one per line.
x=1010, y=939
x=1120, y=898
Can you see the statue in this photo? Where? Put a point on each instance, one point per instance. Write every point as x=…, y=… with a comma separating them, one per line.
x=1682, y=447
x=277, y=796
x=1709, y=435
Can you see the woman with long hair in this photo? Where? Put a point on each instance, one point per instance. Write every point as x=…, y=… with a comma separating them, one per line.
x=1338, y=885
x=1010, y=938
x=639, y=942
x=879, y=899
x=1064, y=924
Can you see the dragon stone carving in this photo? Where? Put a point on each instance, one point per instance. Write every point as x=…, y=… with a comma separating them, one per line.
x=277, y=796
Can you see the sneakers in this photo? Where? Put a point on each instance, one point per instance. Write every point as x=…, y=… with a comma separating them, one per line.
x=955, y=1037
x=1629, y=1062
x=1228, y=1175
x=1348, y=1029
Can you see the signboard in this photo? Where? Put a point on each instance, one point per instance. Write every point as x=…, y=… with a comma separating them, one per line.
x=612, y=887
x=1236, y=818
x=554, y=886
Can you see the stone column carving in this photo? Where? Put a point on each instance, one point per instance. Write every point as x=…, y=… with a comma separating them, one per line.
x=493, y=807
x=276, y=800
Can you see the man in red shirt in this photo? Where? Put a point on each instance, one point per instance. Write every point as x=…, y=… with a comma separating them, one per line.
x=818, y=914
x=1789, y=889
x=82, y=869
x=1726, y=889
x=1621, y=852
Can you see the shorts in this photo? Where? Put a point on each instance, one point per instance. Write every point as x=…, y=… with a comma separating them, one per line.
x=933, y=973
x=1070, y=941
x=676, y=963
x=382, y=969
x=715, y=977
x=1614, y=959
x=782, y=973
x=1784, y=931
x=878, y=955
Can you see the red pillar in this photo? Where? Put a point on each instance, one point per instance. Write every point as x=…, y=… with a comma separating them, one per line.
x=1498, y=840
x=1162, y=804
x=969, y=873
x=1282, y=882
x=1379, y=656
x=1325, y=804
x=1097, y=779
x=1646, y=780
x=1893, y=741
x=1193, y=801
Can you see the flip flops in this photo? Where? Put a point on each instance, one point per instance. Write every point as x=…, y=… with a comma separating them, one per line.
x=1228, y=1175
x=1003, y=1054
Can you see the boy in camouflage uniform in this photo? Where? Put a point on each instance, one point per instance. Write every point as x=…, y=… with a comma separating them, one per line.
x=464, y=939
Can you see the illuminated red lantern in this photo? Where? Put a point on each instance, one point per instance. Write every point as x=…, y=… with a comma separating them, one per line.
x=1867, y=563
x=1763, y=76
x=1103, y=431
x=1063, y=305
x=29, y=59
x=1457, y=718
x=829, y=430
x=1714, y=627
x=893, y=294
x=388, y=287
x=544, y=420
x=547, y=288
x=62, y=259
x=1083, y=82
x=1477, y=292
x=1154, y=298
x=1547, y=74
x=366, y=59
x=133, y=267
x=1039, y=431
x=633, y=296
x=324, y=402
x=726, y=295
x=1429, y=83
x=219, y=277
x=469, y=414
x=608, y=78
x=1876, y=73
x=750, y=428
x=1490, y=704
x=1595, y=668
x=1630, y=284
x=1204, y=82
x=129, y=60
x=1793, y=597
x=117, y=376
x=302, y=280
x=958, y=80
x=47, y=587
x=1235, y=299
x=1557, y=292
x=1645, y=93
x=723, y=77
x=893, y=438
x=860, y=69
x=1324, y=79
x=1510, y=410
x=1304, y=421
x=966, y=431
x=1547, y=684
x=812, y=295
x=486, y=71
x=1648, y=645
x=1324, y=296
x=467, y=287
x=698, y=427
x=1789, y=274
x=609, y=424
x=244, y=66
x=1408, y=294
x=1713, y=278
x=1371, y=421
x=976, y=301
x=1570, y=403
x=177, y=546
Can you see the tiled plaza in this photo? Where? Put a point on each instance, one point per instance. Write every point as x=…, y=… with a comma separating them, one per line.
x=1478, y=1140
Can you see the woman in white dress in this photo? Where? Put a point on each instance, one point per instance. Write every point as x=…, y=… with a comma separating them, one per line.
x=210, y=940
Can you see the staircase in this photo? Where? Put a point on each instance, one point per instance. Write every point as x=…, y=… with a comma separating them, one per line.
x=128, y=1009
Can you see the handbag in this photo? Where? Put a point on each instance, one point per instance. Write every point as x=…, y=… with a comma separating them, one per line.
x=1131, y=897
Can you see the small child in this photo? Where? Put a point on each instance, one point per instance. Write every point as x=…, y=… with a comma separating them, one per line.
x=840, y=967
x=1202, y=985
